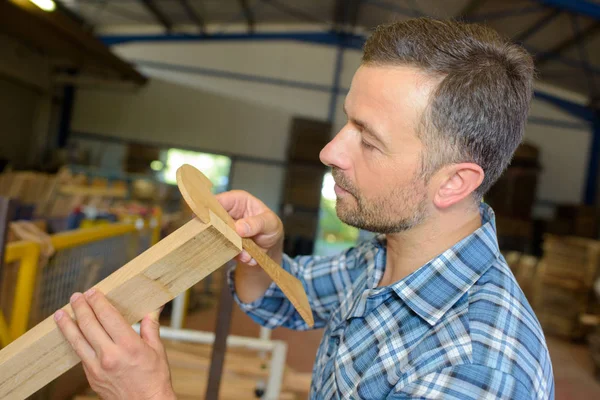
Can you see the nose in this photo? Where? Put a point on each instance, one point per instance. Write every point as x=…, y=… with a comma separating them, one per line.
x=335, y=153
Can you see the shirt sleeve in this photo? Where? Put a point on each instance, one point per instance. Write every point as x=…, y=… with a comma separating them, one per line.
x=324, y=280
x=465, y=382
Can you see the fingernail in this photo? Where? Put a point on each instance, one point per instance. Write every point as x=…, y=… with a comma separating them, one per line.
x=90, y=293
x=58, y=315
x=75, y=297
x=246, y=228
x=240, y=227
x=252, y=262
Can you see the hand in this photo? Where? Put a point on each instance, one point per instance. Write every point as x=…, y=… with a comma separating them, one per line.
x=254, y=220
x=118, y=363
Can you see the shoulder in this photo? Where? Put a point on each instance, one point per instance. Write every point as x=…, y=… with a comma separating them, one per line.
x=505, y=333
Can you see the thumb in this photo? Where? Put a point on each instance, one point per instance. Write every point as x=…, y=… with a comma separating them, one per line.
x=251, y=226
x=150, y=328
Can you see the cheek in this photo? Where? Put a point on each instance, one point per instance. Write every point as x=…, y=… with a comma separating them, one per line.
x=380, y=178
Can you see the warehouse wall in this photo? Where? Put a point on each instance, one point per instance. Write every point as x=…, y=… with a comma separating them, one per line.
x=564, y=153
x=174, y=115
x=24, y=102
x=169, y=113
x=262, y=84
x=283, y=61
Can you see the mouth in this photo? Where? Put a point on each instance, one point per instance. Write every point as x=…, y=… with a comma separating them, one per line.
x=340, y=191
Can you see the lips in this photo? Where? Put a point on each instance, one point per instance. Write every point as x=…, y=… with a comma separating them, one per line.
x=337, y=178
x=339, y=190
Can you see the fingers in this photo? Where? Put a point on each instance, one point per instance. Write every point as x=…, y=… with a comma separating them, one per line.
x=235, y=202
x=266, y=223
x=246, y=258
x=71, y=332
x=89, y=326
x=150, y=329
x=240, y=204
x=110, y=318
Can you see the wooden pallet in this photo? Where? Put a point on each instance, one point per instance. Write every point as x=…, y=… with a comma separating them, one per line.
x=563, y=284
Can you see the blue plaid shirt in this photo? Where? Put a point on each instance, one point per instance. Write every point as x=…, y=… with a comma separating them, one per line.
x=457, y=328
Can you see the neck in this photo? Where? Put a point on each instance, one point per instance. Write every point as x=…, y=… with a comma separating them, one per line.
x=408, y=251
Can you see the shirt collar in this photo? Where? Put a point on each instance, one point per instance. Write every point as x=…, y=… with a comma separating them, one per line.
x=434, y=288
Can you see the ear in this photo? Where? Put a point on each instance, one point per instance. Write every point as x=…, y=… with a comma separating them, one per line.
x=457, y=182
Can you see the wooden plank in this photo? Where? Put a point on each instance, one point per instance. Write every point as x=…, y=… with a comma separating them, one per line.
x=97, y=191
x=150, y=280
x=196, y=192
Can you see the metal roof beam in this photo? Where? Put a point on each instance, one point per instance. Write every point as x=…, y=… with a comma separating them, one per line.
x=407, y=12
x=248, y=14
x=158, y=14
x=339, y=14
x=194, y=15
x=568, y=43
x=470, y=9
x=538, y=25
x=74, y=15
x=294, y=12
x=582, y=7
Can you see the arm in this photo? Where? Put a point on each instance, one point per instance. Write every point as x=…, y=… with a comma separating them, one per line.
x=468, y=381
x=318, y=276
x=254, y=290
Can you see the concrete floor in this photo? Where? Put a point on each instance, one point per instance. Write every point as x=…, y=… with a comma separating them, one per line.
x=573, y=368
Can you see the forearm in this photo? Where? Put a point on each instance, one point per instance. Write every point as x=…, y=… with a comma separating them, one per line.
x=250, y=282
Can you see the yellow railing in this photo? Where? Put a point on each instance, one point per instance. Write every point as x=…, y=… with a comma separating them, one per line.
x=79, y=237
x=27, y=253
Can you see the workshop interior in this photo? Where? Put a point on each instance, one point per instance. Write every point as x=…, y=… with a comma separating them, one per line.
x=103, y=101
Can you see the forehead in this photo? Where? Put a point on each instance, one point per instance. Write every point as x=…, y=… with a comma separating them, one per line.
x=390, y=94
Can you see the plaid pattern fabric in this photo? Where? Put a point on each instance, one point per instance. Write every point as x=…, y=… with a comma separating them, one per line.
x=457, y=328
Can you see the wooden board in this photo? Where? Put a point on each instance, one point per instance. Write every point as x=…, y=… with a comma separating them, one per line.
x=144, y=284
x=141, y=286
x=94, y=191
x=195, y=189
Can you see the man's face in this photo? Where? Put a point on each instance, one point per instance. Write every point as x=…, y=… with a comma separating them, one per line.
x=376, y=157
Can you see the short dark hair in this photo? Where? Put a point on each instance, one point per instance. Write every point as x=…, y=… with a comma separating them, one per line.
x=478, y=111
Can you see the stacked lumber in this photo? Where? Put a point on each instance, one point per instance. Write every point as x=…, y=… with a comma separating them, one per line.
x=563, y=288
x=56, y=195
x=524, y=268
x=243, y=369
x=29, y=188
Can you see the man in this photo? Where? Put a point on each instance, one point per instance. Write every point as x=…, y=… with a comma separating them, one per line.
x=428, y=309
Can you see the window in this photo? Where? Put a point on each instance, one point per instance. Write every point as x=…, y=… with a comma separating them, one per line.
x=215, y=167
x=333, y=236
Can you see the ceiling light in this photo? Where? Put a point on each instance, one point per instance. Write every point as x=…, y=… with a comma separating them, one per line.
x=46, y=5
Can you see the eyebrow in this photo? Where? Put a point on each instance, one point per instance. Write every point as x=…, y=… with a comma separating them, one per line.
x=367, y=129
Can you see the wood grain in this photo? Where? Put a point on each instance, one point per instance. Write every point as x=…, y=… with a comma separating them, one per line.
x=196, y=191
x=141, y=286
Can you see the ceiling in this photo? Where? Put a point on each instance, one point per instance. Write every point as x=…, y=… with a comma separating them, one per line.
x=564, y=35
x=63, y=41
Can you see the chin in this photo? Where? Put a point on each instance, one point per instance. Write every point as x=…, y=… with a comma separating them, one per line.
x=343, y=209
x=348, y=216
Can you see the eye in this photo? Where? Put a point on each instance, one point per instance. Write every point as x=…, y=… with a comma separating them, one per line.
x=366, y=145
